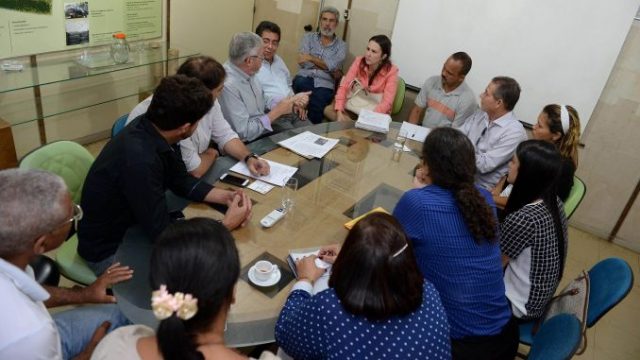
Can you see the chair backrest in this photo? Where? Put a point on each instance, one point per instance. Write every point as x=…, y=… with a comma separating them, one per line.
x=558, y=338
x=578, y=190
x=611, y=280
x=399, y=99
x=68, y=159
x=119, y=124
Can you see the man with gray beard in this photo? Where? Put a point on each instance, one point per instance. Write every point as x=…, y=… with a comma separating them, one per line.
x=320, y=56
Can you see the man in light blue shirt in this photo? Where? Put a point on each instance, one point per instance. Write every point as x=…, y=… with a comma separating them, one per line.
x=320, y=56
x=274, y=76
x=243, y=101
x=494, y=131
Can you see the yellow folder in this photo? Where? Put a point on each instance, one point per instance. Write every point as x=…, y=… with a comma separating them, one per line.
x=353, y=222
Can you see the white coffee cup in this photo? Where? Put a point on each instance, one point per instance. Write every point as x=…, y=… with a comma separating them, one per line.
x=263, y=270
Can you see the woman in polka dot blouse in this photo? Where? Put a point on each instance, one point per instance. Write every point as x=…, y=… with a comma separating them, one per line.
x=377, y=304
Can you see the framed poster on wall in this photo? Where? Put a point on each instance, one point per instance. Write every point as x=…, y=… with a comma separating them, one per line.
x=38, y=26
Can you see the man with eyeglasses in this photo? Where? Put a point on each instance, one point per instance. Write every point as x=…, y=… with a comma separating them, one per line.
x=494, y=130
x=243, y=100
x=36, y=215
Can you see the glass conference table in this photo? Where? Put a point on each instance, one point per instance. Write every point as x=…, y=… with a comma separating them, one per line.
x=361, y=173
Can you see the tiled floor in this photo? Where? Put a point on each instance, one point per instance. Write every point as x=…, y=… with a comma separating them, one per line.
x=617, y=335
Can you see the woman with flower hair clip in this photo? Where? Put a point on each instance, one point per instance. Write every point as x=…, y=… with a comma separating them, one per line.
x=194, y=269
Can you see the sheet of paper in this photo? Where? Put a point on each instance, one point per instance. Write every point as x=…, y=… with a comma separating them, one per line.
x=260, y=187
x=278, y=175
x=299, y=255
x=309, y=144
x=415, y=132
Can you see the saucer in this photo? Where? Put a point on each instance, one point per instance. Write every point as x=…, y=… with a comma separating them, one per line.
x=275, y=277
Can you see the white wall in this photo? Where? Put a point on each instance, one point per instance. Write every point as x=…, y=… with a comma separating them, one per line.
x=207, y=25
x=559, y=51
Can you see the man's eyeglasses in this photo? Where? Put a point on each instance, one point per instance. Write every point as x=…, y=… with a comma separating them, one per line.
x=77, y=216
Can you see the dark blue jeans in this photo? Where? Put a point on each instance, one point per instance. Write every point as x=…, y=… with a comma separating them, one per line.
x=319, y=98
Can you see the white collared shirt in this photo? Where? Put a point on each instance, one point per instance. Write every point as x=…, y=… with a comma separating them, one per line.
x=275, y=79
x=27, y=330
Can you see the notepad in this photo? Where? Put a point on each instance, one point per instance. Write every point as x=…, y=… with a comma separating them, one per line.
x=294, y=255
x=349, y=225
x=414, y=132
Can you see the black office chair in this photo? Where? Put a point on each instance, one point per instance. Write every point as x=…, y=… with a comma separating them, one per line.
x=45, y=270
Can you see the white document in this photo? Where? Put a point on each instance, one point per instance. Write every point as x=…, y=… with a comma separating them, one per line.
x=373, y=121
x=415, y=132
x=309, y=144
x=260, y=187
x=278, y=175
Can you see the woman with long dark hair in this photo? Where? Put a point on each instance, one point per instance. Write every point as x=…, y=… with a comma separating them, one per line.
x=453, y=228
x=372, y=73
x=534, y=231
x=194, y=269
x=377, y=304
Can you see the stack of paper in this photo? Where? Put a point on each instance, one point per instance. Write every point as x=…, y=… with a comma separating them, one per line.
x=278, y=175
x=373, y=121
x=414, y=132
x=309, y=145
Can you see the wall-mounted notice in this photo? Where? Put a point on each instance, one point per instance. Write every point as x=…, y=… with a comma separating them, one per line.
x=38, y=26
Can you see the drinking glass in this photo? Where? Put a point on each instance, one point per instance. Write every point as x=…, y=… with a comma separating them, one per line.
x=401, y=139
x=289, y=194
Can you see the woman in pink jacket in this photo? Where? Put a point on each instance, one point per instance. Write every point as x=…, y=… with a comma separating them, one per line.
x=375, y=74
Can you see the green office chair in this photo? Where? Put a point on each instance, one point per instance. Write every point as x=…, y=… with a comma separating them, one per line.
x=70, y=161
x=398, y=101
x=578, y=190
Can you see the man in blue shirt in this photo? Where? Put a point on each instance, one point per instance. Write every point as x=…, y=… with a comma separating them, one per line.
x=321, y=55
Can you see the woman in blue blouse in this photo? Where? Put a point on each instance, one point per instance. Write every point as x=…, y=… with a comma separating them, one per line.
x=377, y=304
x=452, y=226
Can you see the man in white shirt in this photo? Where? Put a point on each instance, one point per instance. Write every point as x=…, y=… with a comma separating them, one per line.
x=494, y=131
x=274, y=76
x=196, y=151
x=36, y=214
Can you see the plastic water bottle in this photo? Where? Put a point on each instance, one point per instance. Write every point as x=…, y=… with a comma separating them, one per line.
x=120, y=48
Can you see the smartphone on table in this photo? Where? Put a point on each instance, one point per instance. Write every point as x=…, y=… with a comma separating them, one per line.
x=234, y=180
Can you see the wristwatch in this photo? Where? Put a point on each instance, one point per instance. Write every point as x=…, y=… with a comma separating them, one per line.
x=252, y=155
